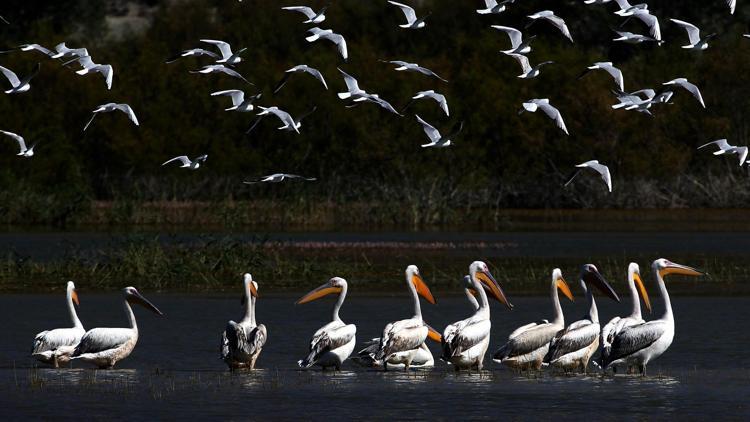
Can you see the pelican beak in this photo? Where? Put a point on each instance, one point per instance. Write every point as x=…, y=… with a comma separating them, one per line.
x=673, y=268
x=564, y=288
x=494, y=287
x=139, y=299
x=253, y=290
x=642, y=290
x=594, y=278
x=432, y=334
x=422, y=288
x=74, y=298
x=473, y=292
x=321, y=291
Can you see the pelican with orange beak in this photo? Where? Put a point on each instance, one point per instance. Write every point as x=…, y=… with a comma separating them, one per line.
x=242, y=342
x=616, y=325
x=332, y=344
x=55, y=347
x=465, y=342
x=402, y=340
x=640, y=344
x=528, y=345
x=573, y=347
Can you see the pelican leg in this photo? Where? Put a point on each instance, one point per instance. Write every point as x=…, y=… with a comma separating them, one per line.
x=642, y=368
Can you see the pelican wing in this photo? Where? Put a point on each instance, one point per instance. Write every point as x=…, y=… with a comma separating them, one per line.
x=467, y=335
x=401, y=336
x=330, y=337
x=527, y=341
x=53, y=339
x=573, y=339
x=635, y=338
x=522, y=329
x=240, y=343
x=102, y=339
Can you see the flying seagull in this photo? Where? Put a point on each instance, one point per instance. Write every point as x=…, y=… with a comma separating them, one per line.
x=517, y=44
x=239, y=102
x=528, y=72
x=227, y=56
x=31, y=47
x=694, y=35
x=682, y=82
x=63, y=52
x=286, y=119
x=374, y=98
x=440, y=98
x=731, y=3
x=544, y=105
x=557, y=21
x=88, y=66
x=436, y=139
x=413, y=67
x=110, y=107
x=193, y=52
x=295, y=127
x=23, y=151
x=609, y=68
x=493, y=7
x=19, y=85
x=353, y=90
x=302, y=68
x=412, y=22
x=725, y=148
x=599, y=168
x=186, y=163
x=626, y=9
x=327, y=34
x=631, y=38
x=278, y=177
x=312, y=16
x=220, y=68
x=650, y=20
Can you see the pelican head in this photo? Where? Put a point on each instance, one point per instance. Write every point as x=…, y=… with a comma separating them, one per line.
x=634, y=276
x=590, y=276
x=71, y=288
x=559, y=282
x=335, y=285
x=133, y=296
x=480, y=271
x=414, y=279
x=250, y=286
x=665, y=267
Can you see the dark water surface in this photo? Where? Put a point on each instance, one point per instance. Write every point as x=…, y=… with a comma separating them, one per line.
x=175, y=372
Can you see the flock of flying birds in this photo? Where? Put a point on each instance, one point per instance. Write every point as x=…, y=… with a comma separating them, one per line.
x=628, y=343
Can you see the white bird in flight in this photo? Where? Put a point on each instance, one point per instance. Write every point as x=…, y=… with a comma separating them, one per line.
x=631, y=38
x=353, y=90
x=239, y=102
x=528, y=72
x=283, y=116
x=302, y=68
x=725, y=148
x=517, y=44
x=31, y=47
x=557, y=21
x=731, y=3
x=312, y=16
x=19, y=85
x=626, y=9
x=193, y=52
x=227, y=56
x=650, y=20
x=220, y=68
x=493, y=7
x=694, y=35
x=413, y=67
x=327, y=34
x=375, y=99
x=110, y=107
x=64, y=52
x=278, y=177
x=690, y=87
x=609, y=68
x=23, y=150
x=439, y=98
x=186, y=163
x=88, y=66
x=412, y=22
x=544, y=105
x=436, y=139
x=599, y=168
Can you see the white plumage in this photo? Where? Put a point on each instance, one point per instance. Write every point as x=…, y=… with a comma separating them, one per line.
x=412, y=22
x=110, y=107
x=242, y=342
x=23, y=150
x=726, y=148
x=551, y=112
x=327, y=34
x=56, y=346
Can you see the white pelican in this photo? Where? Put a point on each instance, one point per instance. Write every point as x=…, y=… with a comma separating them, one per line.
x=110, y=107
x=332, y=344
x=220, y=68
x=609, y=68
x=439, y=98
x=412, y=67
x=187, y=163
x=193, y=52
x=551, y=112
x=422, y=356
x=19, y=85
x=242, y=342
x=640, y=344
x=528, y=344
x=312, y=16
x=88, y=66
x=616, y=325
x=517, y=43
x=327, y=34
x=104, y=347
x=239, y=102
x=631, y=38
x=690, y=87
x=227, y=56
x=279, y=177
x=572, y=347
x=650, y=20
x=302, y=68
x=726, y=148
x=556, y=21
x=55, y=346
x=402, y=339
x=23, y=150
x=465, y=342
x=436, y=139
x=596, y=166
x=493, y=7
x=412, y=22
x=694, y=35
x=528, y=72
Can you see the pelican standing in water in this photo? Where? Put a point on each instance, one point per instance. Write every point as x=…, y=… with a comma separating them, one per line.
x=528, y=345
x=242, y=342
x=572, y=347
x=642, y=343
x=616, y=325
x=465, y=342
x=332, y=344
x=55, y=346
x=401, y=340
x=104, y=347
